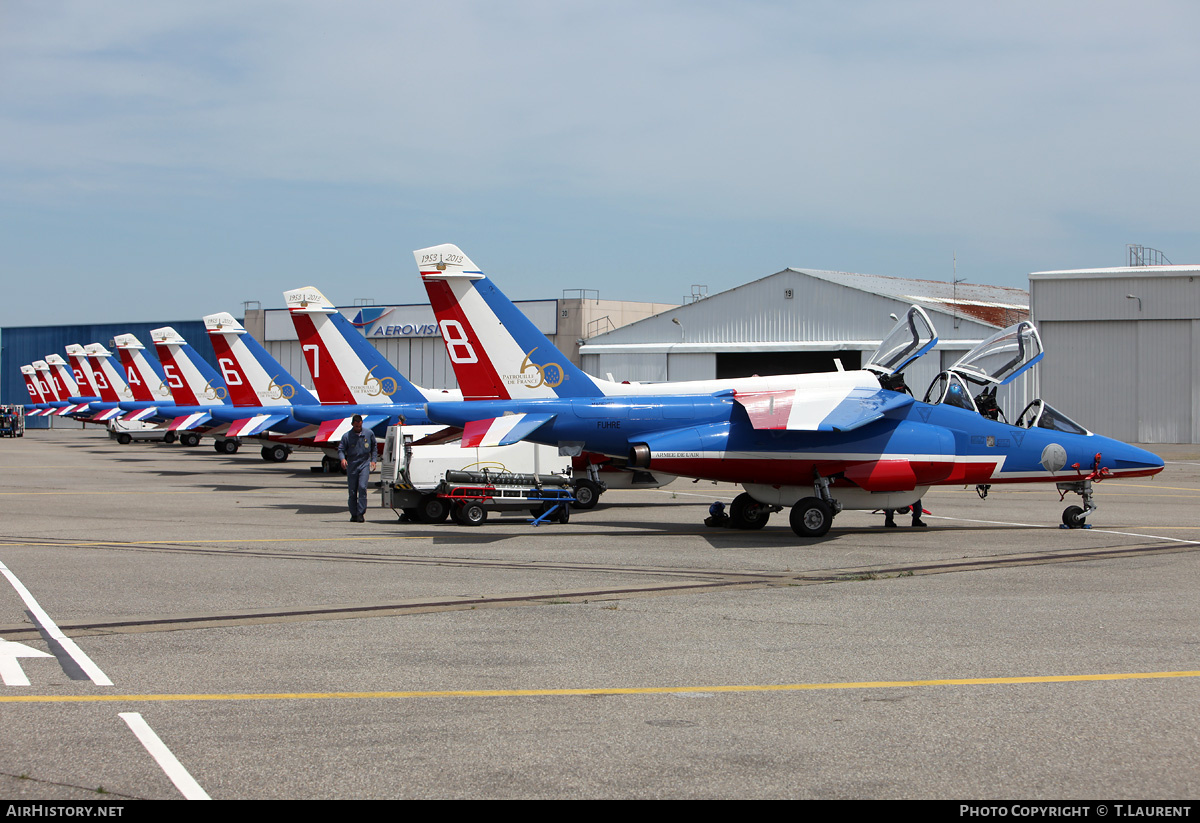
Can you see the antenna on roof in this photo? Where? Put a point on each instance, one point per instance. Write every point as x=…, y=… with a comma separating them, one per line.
x=956, y=281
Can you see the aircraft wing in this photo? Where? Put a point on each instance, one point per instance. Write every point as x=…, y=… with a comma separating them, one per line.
x=140, y=414
x=331, y=431
x=257, y=424
x=835, y=411
x=503, y=431
x=189, y=421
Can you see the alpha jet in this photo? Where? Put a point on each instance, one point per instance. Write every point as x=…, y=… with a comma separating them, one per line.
x=817, y=443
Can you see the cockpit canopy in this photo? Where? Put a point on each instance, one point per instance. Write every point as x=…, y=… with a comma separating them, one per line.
x=1003, y=356
x=911, y=337
x=1039, y=414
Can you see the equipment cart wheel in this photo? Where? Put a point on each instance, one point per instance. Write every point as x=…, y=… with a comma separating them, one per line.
x=432, y=509
x=473, y=514
x=169, y=437
x=124, y=439
x=1071, y=517
x=811, y=517
x=587, y=494
x=564, y=512
x=747, y=513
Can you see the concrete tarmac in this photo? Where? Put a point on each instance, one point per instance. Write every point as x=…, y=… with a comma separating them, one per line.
x=278, y=650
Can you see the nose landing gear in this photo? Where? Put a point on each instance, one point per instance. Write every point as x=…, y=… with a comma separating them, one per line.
x=1073, y=517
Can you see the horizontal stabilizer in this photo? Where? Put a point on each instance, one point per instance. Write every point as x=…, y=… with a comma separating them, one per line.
x=189, y=421
x=257, y=424
x=830, y=410
x=140, y=414
x=331, y=431
x=107, y=414
x=864, y=406
x=503, y=431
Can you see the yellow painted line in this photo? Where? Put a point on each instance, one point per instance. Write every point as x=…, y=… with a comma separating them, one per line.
x=792, y=687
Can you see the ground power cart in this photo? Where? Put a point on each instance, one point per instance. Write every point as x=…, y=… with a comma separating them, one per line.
x=427, y=483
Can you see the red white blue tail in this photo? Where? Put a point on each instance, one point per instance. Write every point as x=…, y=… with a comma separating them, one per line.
x=345, y=368
x=497, y=352
x=252, y=375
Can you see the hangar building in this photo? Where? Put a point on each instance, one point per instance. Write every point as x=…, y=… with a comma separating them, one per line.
x=802, y=320
x=1123, y=349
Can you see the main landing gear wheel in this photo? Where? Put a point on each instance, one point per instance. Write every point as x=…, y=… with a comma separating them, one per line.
x=811, y=517
x=189, y=439
x=747, y=513
x=587, y=494
x=275, y=454
x=226, y=446
x=432, y=509
x=1072, y=517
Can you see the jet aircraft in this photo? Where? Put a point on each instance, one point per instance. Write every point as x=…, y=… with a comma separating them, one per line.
x=816, y=443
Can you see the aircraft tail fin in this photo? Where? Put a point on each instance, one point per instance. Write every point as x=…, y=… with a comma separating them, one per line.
x=106, y=374
x=146, y=378
x=497, y=352
x=192, y=381
x=252, y=375
x=345, y=367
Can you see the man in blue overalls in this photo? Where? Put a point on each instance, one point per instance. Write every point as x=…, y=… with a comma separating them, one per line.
x=358, y=451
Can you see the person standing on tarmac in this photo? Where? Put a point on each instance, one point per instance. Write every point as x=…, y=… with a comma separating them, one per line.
x=357, y=450
x=895, y=382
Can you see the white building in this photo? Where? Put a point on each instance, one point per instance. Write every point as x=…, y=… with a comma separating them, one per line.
x=1122, y=349
x=801, y=320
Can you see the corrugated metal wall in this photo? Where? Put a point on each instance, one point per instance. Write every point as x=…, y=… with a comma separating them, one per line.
x=23, y=345
x=1123, y=350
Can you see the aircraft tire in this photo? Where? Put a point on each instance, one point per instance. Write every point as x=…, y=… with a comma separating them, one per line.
x=811, y=517
x=267, y=454
x=190, y=439
x=279, y=454
x=124, y=439
x=1071, y=517
x=432, y=509
x=227, y=446
x=587, y=494
x=473, y=514
x=747, y=513
x=169, y=437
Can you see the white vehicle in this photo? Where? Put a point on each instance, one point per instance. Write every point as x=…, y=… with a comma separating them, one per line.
x=431, y=482
x=126, y=431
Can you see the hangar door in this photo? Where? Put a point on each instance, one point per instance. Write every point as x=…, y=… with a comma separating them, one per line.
x=748, y=364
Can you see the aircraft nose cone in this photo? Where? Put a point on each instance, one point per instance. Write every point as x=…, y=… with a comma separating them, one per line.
x=1132, y=461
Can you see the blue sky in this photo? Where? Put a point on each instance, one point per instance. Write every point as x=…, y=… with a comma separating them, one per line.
x=171, y=159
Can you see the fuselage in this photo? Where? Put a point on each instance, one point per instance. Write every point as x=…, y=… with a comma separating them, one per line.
x=711, y=437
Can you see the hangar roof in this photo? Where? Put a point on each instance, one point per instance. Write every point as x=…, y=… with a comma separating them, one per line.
x=998, y=306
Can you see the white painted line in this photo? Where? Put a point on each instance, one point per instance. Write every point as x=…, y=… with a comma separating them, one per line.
x=1161, y=537
x=10, y=670
x=49, y=627
x=162, y=755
